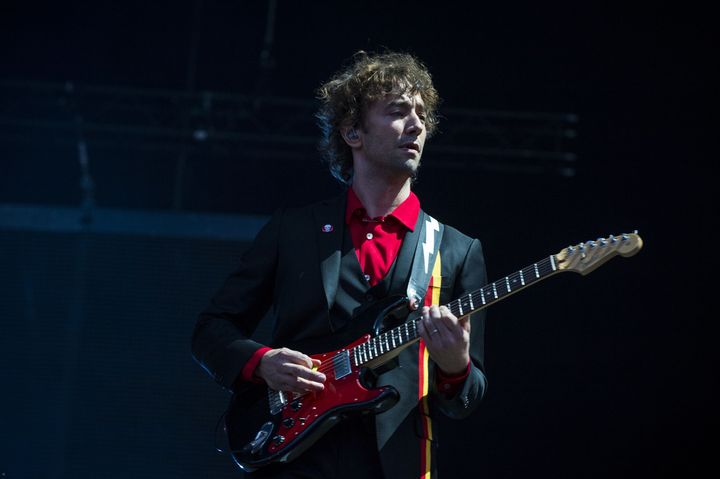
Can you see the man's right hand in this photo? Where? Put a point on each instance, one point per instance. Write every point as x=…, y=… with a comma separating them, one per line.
x=287, y=370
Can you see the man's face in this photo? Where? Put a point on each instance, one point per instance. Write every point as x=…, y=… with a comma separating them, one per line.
x=393, y=134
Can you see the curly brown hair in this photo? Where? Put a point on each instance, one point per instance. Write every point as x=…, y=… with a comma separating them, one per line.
x=345, y=97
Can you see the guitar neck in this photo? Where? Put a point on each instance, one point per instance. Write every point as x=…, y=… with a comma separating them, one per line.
x=388, y=344
x=502, y=288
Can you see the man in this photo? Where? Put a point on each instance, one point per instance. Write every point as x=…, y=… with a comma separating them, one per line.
x=312, y=269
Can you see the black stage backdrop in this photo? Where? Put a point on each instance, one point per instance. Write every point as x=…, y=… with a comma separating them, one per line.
x=610, y=375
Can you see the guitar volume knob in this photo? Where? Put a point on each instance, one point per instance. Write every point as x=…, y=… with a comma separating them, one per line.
x=279, y=439
x=288, y=422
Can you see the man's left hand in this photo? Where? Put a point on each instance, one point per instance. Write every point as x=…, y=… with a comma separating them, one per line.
x=447, y=338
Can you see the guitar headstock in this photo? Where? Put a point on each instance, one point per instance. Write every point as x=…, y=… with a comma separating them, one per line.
x=586, y=257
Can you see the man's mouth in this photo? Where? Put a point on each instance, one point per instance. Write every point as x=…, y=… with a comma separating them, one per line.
x=411, y=146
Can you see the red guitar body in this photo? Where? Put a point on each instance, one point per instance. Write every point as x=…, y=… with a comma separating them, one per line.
x=266, y=426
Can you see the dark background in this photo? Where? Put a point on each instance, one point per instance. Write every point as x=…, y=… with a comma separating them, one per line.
x=610, y=375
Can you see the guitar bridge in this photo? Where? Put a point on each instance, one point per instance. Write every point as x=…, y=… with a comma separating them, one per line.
x=277, y=401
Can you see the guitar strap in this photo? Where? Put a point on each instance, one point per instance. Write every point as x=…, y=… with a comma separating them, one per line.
x=426, y=251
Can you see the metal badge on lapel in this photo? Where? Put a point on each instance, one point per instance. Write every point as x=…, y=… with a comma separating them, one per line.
x=327, y=228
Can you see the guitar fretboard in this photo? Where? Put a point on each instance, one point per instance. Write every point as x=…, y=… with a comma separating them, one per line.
x=494, y=292
x=472, y=302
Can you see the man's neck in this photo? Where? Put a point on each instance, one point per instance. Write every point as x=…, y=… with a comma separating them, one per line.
x=380, y=198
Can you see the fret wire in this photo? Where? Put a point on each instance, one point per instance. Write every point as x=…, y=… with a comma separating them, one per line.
x=522, y=277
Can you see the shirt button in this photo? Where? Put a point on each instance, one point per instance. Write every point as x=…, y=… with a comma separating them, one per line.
x=367, y=277
x=369, y=236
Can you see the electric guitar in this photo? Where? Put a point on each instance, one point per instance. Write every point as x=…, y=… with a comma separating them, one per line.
x=265, y=426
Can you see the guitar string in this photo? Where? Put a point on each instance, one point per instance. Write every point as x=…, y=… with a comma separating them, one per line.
x=454, y=305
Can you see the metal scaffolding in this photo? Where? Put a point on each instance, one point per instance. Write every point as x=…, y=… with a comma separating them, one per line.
x=269, y=128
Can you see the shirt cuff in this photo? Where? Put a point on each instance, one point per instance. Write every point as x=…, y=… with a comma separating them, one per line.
x=248, y=371
x=450, y=384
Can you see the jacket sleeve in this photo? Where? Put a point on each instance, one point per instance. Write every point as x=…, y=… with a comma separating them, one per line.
x=470, y=277
x=221, y=340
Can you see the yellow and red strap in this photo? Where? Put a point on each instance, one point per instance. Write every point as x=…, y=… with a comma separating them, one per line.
x=432, y=297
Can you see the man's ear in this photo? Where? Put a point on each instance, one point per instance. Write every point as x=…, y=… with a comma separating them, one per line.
x=351, y=136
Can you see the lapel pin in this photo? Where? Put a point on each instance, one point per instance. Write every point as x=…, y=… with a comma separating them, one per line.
x=327, y=228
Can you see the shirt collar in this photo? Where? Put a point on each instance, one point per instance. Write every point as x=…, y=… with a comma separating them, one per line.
x=406, y=212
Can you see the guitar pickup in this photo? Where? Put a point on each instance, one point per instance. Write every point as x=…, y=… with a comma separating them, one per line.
x=341, y=364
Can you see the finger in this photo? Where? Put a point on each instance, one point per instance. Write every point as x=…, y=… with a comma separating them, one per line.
x=448, y=322
x=308, y=385
x=429, y=322
x=300, y=371
x=299, y=358
x=424, y=332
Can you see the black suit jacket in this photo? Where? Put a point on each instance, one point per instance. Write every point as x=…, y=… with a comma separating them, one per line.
x=291, y=273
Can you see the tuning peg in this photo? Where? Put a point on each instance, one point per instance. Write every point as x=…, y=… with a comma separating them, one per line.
x=571, y=249
x=613, y=239
x=592, y=244
x=625, y=237
x=635, y=232
x=603, y=241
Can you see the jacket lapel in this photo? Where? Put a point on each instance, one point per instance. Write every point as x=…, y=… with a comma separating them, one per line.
x=330, y=224
x=403, y=262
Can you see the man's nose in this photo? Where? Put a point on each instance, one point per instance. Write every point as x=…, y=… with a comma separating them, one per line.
x=414, y=124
